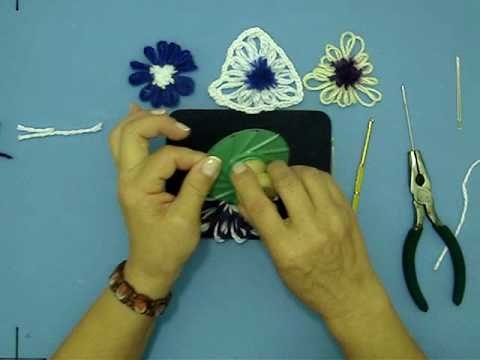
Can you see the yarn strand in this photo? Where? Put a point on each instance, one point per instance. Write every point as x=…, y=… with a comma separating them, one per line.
x=44, y=132
x=463, y=215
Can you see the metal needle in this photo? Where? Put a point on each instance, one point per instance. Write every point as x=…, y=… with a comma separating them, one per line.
x=407, y=115
x=459, y=94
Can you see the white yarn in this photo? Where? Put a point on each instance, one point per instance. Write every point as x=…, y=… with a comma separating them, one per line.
x=351, y=47
x=464, y=212
x=44, y=132
x=163, y=75
x=231, y=90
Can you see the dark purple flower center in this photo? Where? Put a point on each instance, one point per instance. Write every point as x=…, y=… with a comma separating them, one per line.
x=261, y=77
x=346, y=73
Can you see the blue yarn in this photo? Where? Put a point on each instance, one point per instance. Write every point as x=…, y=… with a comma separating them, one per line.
x=162, y=49
x=155, y=98
x=140, y=77
x=261, y=77
x=187, y=66
x=174, y=52
x=150, y=54
x=165, y=54
x=147, y=92
x=136, y=65
x=170, y=97
x=184, y=85
x=6, y=156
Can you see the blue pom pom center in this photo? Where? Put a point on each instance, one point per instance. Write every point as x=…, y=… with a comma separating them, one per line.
x=261, y=77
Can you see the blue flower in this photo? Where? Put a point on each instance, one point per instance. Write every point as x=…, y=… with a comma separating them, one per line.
x=163, y=79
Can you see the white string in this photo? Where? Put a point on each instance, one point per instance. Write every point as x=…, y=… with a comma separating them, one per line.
x=231, y=88
x=351, y=47
x=44, y=132
x=464, y=212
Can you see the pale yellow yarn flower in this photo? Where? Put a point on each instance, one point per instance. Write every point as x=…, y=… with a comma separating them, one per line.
x=342, y=75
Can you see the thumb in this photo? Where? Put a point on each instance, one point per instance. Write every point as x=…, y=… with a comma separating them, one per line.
x=197, y=185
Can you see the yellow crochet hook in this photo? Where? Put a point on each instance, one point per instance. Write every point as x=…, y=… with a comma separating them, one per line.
x=361, y=167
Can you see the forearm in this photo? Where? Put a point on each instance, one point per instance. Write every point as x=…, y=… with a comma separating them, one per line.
x=109, y=330
x=375, y=333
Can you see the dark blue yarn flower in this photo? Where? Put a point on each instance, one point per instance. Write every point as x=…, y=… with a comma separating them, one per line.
x=163, y=77
x=261, y=76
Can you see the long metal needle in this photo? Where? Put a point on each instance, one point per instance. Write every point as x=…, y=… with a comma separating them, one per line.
x=459, y=94
x=407, y=115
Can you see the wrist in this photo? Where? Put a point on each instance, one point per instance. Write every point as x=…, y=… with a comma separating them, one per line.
x=155, y=287
x=356, y=298
x=374, y=330
x=372, y=310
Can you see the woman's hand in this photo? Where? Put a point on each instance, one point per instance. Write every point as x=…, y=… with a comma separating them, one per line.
x=320, y=254
x=164, y=230
x=319, y=250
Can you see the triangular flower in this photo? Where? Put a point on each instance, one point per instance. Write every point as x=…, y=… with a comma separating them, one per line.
x=257, y=76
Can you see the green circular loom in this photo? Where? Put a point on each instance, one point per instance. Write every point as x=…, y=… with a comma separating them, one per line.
x=249, y=144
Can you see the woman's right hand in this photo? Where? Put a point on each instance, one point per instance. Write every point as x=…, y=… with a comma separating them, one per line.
x=318, y=250
x=320, y=255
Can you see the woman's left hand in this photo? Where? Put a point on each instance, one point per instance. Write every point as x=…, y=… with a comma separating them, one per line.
x=164, y=229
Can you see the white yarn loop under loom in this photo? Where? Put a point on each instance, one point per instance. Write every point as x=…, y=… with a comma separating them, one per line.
x=464, y=212
x=44, y=132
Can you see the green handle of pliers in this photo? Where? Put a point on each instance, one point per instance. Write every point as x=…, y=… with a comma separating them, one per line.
x=457, y=260
x=409, y=271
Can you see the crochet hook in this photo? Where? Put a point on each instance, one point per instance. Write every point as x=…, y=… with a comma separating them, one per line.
x=361, y=167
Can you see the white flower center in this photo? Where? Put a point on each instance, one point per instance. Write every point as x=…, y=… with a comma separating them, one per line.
x=163, y=75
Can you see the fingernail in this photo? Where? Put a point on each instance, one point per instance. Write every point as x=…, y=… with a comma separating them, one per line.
x=211, y=166
x=158, y=112
x=238, y=168
x=182, y=126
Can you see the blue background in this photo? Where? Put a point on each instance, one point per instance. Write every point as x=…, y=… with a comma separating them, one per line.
x=65, y=64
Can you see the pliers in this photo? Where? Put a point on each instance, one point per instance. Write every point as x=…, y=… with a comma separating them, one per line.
x=421, y=189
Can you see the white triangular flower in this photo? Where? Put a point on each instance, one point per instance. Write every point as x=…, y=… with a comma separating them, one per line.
x=257, y=76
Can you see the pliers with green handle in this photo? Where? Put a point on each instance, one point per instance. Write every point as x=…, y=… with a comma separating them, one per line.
x=421, y=189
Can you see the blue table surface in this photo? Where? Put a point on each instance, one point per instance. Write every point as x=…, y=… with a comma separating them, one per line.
x=65, y=64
